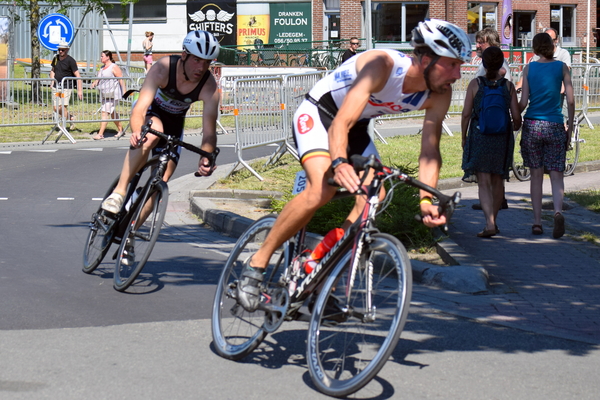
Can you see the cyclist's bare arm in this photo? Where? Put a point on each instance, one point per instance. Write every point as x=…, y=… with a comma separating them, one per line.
x=430, y=159
x=210, y=112
x=158, y=76
x=373, y=69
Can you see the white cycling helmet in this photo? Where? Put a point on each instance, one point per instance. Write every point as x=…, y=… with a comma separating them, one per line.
x=444, y=38
x=201, y=44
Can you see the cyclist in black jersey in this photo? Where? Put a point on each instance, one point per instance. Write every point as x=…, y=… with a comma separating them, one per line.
x=170, y=87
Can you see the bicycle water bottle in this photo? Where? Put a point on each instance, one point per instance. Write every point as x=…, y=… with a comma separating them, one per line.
x=322, y=248
x=133, y=198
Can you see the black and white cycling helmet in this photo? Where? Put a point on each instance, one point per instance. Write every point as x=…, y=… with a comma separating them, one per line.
x=201, y=44
x=444, y=38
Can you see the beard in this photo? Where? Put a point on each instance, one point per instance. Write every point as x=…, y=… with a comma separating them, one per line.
x=439, y=88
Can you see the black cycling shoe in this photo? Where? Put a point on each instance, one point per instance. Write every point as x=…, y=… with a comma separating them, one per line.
x=248, y=290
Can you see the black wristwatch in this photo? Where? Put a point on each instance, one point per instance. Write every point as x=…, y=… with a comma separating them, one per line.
x=336, y=163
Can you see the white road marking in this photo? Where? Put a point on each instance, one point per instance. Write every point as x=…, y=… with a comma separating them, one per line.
x=97, y=199
x=3, y=198
x=65, y=198
x=44, y=151
x=92, y=149
x=5, y=152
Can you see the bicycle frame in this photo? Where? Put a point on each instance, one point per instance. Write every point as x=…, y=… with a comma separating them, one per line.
x=354, y=238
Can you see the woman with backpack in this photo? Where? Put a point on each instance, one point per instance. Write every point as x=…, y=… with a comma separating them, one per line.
x=544, y=140
x=487, y=138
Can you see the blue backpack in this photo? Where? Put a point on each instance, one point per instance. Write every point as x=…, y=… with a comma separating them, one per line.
x=494, y=117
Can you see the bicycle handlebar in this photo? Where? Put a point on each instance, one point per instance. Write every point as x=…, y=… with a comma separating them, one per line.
x=447, y=204
x=212, y=157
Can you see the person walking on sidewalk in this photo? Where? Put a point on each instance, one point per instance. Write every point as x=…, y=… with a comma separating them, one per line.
x=485, y=38
x=330, y=125
x=544, y=140
x=147, y=45
x=64, y=66
x=111, y=91
x=487, y=156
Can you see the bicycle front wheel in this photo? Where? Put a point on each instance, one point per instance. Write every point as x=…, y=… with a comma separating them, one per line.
x=237, y=332
x=521, y=172
x=572, y=152
x=139, y=237
x=100, y=236
x=357, y=320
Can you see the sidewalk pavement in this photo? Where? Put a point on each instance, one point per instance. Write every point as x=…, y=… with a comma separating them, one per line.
x=533, y=283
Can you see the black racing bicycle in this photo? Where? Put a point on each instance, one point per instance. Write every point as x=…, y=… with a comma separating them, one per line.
x=358, y=295
x=136, y=227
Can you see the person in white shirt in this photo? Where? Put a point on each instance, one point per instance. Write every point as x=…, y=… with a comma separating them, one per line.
x=488, y=37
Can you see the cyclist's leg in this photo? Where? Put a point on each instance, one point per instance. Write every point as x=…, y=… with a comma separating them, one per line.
x=135, y=160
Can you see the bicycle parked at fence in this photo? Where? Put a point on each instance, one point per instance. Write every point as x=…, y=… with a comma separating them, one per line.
x=523, y=173
x=359, y=293
x=146, y=200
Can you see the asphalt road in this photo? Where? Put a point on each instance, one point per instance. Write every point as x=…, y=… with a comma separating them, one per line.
x=68, y=335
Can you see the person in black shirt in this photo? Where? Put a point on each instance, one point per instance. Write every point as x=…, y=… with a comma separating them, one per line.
x=351, y=52
x=64, y=66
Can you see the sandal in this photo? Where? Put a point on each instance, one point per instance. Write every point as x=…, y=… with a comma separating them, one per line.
x=559, y=226
x=537, y=230
x=97, y=137
x=120, y=134
x=487, y=233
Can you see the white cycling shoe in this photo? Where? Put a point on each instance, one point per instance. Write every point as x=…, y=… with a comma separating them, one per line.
x=113, y=203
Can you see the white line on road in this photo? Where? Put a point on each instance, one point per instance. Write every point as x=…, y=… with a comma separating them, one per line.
x=5, y=152
x=44, y=151
x=97, y=199
x=3, y=198
x=65, y=198
x=92, y=149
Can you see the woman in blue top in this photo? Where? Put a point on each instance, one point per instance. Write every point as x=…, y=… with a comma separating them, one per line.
x=544, y=140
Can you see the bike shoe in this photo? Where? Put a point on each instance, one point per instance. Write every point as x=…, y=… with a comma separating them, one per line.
x=113, y=203
x=248, y=291
x=128, y=253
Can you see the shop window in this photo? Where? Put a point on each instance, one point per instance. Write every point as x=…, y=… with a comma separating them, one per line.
x=562, y=18
x=479, y=16
x=385, y=18
x=143, y=10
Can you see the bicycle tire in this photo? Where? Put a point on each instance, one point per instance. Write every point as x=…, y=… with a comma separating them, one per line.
x=237, y=332
x=521, y=172
x=144, y=236
x=333, y=370
x=572, y=156
x=100, y=236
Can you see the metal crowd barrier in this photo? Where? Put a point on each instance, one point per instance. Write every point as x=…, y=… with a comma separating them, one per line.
x=259, y=115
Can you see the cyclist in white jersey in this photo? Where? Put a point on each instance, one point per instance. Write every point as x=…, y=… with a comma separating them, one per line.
x=331, y=125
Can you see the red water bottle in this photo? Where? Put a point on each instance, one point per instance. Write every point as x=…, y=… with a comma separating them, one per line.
x=322, y=248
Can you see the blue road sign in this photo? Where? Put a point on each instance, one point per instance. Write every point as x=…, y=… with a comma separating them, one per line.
x=53, y=29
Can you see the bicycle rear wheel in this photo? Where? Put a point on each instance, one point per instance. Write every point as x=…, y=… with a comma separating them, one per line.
x=99, y=237
x=237, y=332
x=521, y=172
x=572, y=152
x=138, y=241
x=351, y=333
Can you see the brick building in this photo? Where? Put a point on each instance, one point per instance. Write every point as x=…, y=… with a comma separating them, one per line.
x=394, y=20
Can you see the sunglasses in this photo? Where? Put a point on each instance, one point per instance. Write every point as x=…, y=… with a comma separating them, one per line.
x=354, y=44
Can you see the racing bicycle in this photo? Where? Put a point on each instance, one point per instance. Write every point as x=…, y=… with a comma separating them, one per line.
x=358, y=295
x=136, y=227
x=523, y=173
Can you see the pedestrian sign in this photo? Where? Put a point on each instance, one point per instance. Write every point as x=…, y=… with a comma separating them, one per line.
x=53, y=29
